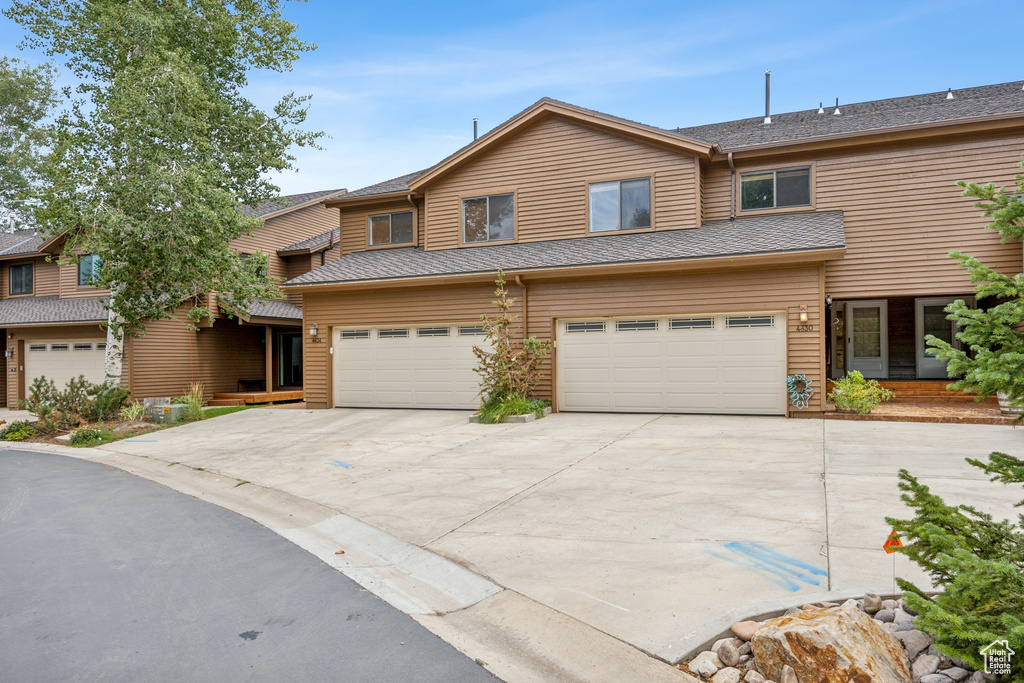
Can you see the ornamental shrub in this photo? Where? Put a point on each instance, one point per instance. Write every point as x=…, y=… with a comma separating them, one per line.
x=91, y=436
x=18, y=431
x=855, y=393
x=977, y=563
x=80, y=401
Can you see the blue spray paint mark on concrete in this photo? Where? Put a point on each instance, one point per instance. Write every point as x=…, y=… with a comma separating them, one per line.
x=782, y=570
x=141, y=441
x=338, y=463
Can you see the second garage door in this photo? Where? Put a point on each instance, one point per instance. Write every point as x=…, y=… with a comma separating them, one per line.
x=679, y=364
x=429, y=366
x=62, y=360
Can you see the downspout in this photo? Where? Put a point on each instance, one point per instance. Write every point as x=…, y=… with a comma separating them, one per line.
x=732, y=188
x=522, y=286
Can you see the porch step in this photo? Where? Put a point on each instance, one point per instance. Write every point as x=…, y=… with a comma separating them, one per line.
x=219, y=402
x=928, y=391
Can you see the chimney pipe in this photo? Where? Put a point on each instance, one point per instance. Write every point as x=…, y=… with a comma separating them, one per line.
x=474, y=129
x=767, y=97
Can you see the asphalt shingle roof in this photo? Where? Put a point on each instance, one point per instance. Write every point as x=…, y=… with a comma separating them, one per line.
x=51, y=309
x=310, y=243
x=274, y=309
x=399, y=184
x=20, y=242
x=292, y=200
x=986, y=100
x=785, y=233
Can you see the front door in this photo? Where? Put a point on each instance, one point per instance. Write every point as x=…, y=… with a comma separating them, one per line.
x=867, y=332
x=930, y=319
x=290, y=346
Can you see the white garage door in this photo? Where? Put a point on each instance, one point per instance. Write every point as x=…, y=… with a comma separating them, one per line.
x=428, y=366
x=679, y=364
x=63, y=360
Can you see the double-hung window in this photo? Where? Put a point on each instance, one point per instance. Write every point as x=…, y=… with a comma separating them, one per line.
x=489, y=219
x=20, y=279
x=89, y=270
x=620, y=205
x=775, y=189
x=391, y=228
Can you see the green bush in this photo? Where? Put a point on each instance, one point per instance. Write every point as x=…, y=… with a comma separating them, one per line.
x=977, y=563
x=80, y=401
x=855, y=393
x=496, y=410
x=133, y=411
x=193, y=402
x=91, y=436
x=18, y=431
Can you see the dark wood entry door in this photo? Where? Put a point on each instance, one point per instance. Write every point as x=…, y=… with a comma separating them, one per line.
x=290, y=349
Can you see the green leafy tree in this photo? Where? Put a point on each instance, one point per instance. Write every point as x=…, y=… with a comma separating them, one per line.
x=511, y=369
x=975, y=560
x=150, y=164
x=27, y=98
x=992, y=358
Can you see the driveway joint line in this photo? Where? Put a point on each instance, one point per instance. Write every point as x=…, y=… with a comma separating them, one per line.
x=824, y=489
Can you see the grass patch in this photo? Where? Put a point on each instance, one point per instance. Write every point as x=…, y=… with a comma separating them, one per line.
x=495, y=411
x=242, y=483
x=93, y=436
x=227, y=410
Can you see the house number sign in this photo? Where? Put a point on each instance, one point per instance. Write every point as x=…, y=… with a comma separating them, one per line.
x=805, y=328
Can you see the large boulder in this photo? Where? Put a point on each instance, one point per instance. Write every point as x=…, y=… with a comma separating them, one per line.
x=837, y=645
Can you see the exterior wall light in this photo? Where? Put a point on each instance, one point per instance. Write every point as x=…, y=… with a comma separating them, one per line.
x=803, y=313
x=312, y=330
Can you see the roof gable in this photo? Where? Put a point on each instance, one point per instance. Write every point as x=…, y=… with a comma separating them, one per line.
x=545, y=108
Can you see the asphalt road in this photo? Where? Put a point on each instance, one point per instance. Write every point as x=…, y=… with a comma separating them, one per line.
x=108, y=577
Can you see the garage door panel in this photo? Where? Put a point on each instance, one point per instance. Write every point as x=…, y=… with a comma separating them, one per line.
x=63, y=360
x=699, y=365
x=423, y=369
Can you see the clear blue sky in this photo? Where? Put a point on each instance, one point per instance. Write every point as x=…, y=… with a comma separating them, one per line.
x=396, y=85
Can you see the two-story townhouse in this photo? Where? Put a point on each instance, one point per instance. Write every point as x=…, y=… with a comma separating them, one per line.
x=53, y=318
x=686, y=270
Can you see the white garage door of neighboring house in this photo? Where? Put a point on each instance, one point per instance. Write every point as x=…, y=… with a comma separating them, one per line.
x=412, y=366
x=62, y=360
x=733, y=363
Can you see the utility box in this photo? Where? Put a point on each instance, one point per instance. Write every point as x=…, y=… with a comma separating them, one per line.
x=166, y=414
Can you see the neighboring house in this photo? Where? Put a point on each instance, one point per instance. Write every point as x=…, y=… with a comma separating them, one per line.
x=686, y=270
x=54, y=320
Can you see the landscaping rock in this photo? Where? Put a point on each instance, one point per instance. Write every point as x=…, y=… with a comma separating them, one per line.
x=788, y=675
x=977, y=677
x=727, y=675
x=706, y=664
x=753, y=677
x=852, y=602
x=936, y=678
x=744, y=649
x=924, y=665
x=872, y=603
x=903, y=621
x=809, y=606
x=888, y=604
x=915, y=642
x=728, y=653
x=745, y=630
x=792, y=610
x=956, y=673
x=830, y=646
x=885, y=615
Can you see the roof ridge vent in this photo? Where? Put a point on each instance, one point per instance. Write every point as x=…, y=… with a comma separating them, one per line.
x=837, y=112
x=821, y=107
x=949, y=94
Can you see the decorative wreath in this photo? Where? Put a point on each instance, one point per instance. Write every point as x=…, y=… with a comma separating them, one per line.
x=799, y=390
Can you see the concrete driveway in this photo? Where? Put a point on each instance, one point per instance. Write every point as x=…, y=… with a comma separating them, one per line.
x=645, y=527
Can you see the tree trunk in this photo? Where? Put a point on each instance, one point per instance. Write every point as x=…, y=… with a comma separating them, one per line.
x=113, y=361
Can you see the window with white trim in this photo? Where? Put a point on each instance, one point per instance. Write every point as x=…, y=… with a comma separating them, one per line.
x=489, y=219
x=391, y=228
x=775, y=189
x=620, y=205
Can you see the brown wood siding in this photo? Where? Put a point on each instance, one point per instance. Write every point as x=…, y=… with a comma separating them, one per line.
x=702, y=292
x=16, y=364
x=69, y=288
x=296, y=266
x=549, y=165
x=170, y=356
x=903, y=213
x=281, y=231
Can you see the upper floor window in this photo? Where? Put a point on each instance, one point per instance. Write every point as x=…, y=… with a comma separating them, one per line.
x=89, y=270
x=620, y=205
x=775, y=189
x=20, y=278
x=391, y=228
x=488, y=219
x=261, y=267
